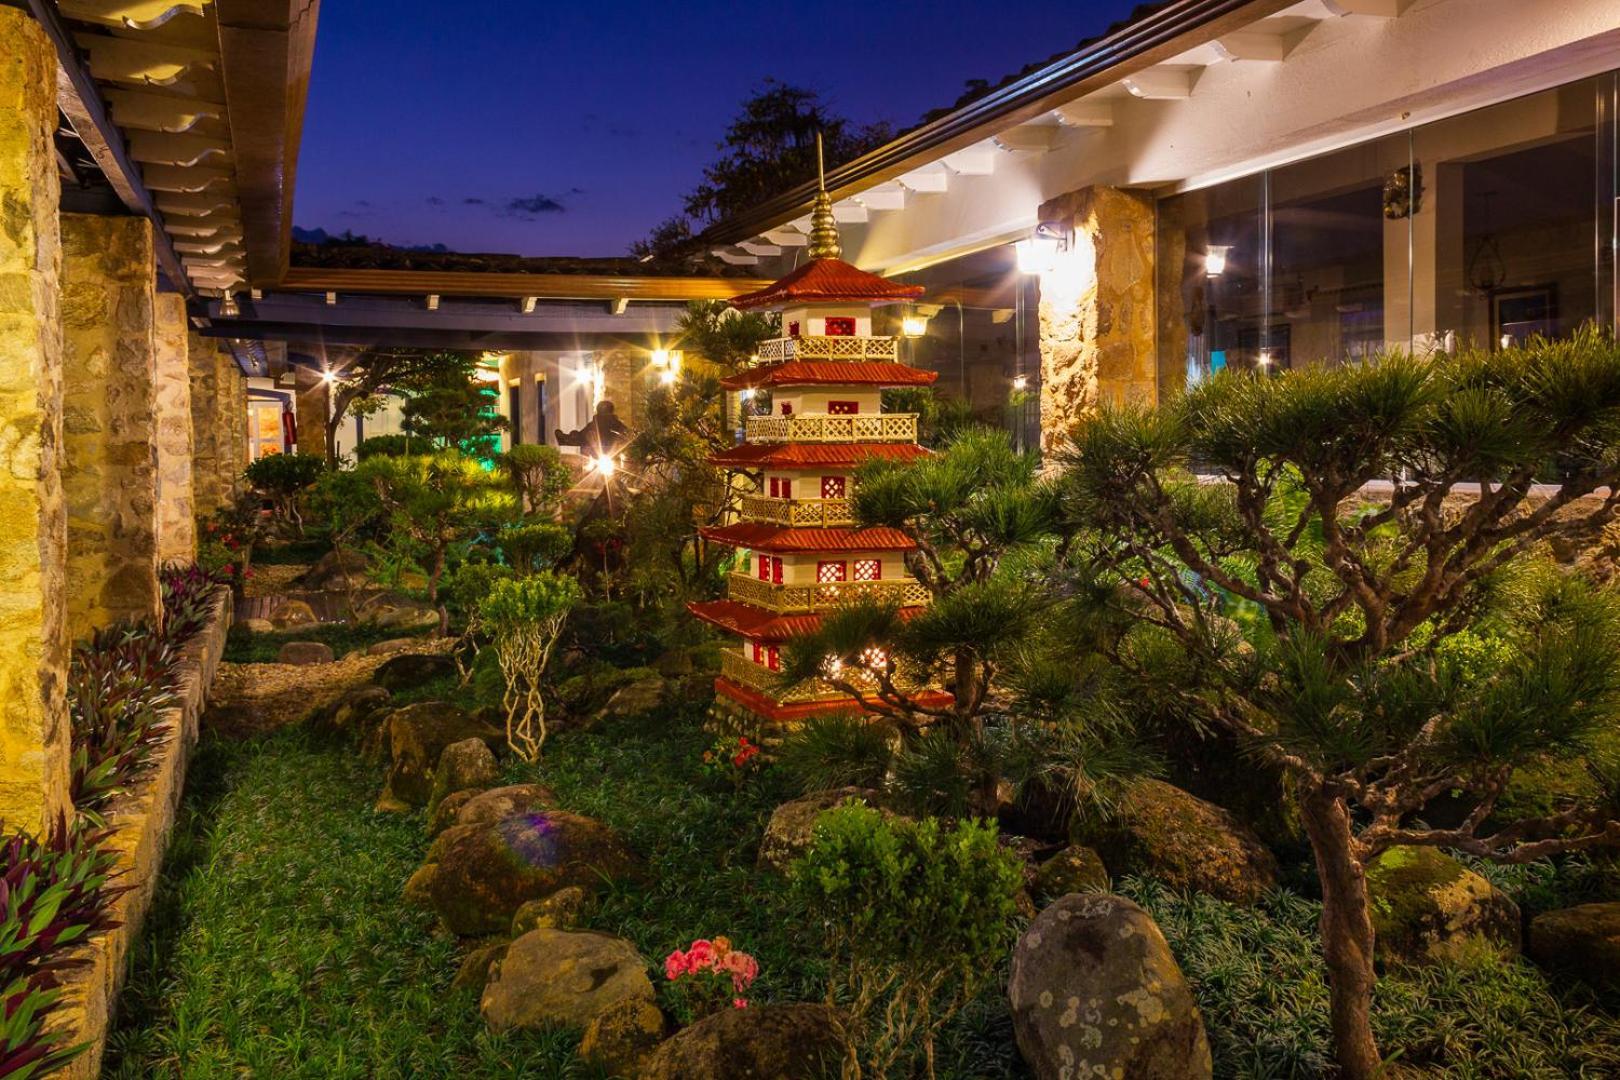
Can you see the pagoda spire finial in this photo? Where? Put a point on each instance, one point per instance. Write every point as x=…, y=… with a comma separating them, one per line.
x=823, y=228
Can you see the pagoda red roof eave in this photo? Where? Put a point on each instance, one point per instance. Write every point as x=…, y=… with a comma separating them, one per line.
x=746, y=620
x=830, y=373
x=758, y=703
x=827, y=281
x=812, y=455
x=758, y=536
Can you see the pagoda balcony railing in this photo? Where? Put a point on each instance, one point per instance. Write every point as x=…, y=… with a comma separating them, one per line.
x=828, y=348
x=796, y=512
x=739, y=669
x=792, y=599
x=827, y=428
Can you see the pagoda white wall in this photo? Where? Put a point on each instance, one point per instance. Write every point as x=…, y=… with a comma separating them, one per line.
x=815, y=400
x=813, y=321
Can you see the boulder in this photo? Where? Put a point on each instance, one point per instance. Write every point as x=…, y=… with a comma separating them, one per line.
x=482, y=874
x=445, y=811
x=1095, y=992
x=397, y=612
x=412, y=670
x=303, y=653
x=562, y=910
x=293, y=613
x=337, y=571
x=788, y=833
x=258, y=626
x=497, y=804
x=416, y=736
x=1583, y=941
x=463, y=766
x=563, y=978
x=673, y=664
x=473, y=974
x=621, y=1037
x=392, y=646
x=356, y=713
x=1185, y=842
x=1427, y=906
x=642, y=696
x=761, y=1042
x=1075, y=869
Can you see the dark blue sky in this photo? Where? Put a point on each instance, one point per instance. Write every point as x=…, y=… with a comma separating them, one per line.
x=547, y=128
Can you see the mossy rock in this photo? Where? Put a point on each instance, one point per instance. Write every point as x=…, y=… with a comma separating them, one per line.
x=1187, y=843
x=1075, y=869
x=477, y=876
x=416, y=737
x=621, y=1037
x=563, y=978
x=792, y=825
x=1428, y=907
x=1583, y=941
x=781, y=1042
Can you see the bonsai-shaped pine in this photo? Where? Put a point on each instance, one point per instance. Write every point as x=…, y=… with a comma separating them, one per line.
x=346, y=503
x=454, y=410
x=435, y=504
x=360, y=385
x=283, y=479
x=524, y=617
x=916, y=920
x=1360, y=612
x=968, y=508
x=539, y=475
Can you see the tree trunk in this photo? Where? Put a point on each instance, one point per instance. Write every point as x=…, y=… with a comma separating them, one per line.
x=1347, y=936
x=331, y=438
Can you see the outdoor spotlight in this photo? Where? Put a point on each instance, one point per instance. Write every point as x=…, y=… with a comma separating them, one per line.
x=914, y=325
x=660, y=358
x=1265, y=358
x=1215, y=259
x=1020, y=382
x=1037, y=254
x=329, y=376
x=604, y=464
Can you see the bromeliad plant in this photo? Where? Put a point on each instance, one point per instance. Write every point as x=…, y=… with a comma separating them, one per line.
x=118, y=683
x=524, y=617
x=1352, y=675
x=53, y=894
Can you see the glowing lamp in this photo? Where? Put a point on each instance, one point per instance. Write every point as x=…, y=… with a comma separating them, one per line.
x=747, y=394
x=1020, y=382
x=1265, y=358
x=667, y=377
x=1215, y=259
x=660, y=358
x=329, y=376
x=604, y=464
x=914, y=325
x=1036, y=254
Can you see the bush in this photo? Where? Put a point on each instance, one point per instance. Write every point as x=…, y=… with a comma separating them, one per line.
x=539, y=474
x=282, y=478
x=837, y=750
x=915, y=917
x=53, y=894
x=392, y=446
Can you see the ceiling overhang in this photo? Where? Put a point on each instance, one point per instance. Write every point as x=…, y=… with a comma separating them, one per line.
x=517, y=286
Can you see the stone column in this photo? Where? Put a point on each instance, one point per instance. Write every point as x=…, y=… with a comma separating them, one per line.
x=177, y=522
x=232, y=419
x=34, y=747
x=201, y=352
x=312, y=404
x=109, y=473
x=1097, y=312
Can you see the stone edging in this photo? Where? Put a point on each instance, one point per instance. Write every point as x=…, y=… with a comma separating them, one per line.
x=141, y=822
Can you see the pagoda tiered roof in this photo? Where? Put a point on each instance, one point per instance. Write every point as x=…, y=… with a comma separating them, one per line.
x=763, y=455
x=829, y=373
x=758, y=623
x=827, y=281
x=762, y=536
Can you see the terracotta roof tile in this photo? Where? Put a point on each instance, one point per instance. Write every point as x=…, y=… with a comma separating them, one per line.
x=809, y=455
x=746, y=620
x=830, y=372
x=784, y=538
x=828, y=281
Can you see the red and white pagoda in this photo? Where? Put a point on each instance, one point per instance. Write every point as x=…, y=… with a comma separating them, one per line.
x=802, y=552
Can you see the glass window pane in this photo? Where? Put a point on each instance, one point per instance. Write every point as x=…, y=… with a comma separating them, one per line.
x=1212, y=311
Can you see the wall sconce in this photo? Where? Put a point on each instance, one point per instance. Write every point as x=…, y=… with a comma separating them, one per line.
x=1020, y=382
x=914, y=326
x=667, y=377
x=660, y=358
x=227, y=305
x=1215, y=259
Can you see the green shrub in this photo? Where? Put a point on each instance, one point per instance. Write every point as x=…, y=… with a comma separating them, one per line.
x=392, y=446
x=539, y=474
x=533, y=545
x=915, y=919
x=837, y=750
x=283, y=478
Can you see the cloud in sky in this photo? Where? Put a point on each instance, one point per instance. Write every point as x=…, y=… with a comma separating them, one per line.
x=530, y=207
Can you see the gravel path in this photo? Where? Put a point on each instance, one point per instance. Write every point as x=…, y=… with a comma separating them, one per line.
x=252, y=698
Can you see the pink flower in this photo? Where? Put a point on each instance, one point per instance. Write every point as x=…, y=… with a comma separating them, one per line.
x=738, y=1003
x=676, y=964
x=701, y=955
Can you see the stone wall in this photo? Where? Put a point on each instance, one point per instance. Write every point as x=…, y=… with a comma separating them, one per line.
x=109, y=471
x=312, y=403
x=203, y=356
x=177, y=524
x=1098, y=319
x=233, y=425
x=33, y=533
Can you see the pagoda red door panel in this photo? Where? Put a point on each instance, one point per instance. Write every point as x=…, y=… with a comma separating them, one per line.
x=843, y=408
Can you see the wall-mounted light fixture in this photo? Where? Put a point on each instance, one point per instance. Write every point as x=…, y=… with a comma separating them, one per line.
x=1020, y=382
x=227, y=305
x=1215, y=259
x=914, y=326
